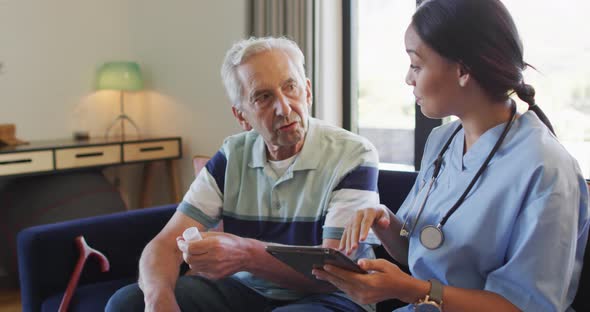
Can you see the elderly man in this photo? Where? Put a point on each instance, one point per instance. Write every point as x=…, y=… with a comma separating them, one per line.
x=288, y=179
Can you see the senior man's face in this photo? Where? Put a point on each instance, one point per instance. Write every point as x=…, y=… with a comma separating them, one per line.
x=276, y=102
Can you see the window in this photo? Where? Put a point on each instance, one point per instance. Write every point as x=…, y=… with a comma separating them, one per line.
x=556, y=44
x=386, y=107
x=385, y=111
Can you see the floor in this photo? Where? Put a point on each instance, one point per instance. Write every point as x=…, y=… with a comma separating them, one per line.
x=10, y=300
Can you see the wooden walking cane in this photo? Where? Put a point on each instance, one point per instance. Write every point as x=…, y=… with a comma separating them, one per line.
x=85, y=252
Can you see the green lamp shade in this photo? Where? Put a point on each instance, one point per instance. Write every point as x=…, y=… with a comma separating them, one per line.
x=125, y=76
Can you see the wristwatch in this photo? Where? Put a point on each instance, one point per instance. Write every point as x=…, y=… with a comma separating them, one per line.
x=433, y=300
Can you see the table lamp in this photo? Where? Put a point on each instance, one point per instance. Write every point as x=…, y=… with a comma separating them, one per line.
x=121, y=76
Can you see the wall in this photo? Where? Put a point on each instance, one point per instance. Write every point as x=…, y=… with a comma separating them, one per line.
x=51, y=50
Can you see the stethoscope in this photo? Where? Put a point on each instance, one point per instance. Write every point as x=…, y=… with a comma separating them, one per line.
x=431, y=236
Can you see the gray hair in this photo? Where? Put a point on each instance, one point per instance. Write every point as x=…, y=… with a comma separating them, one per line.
x=243, y=49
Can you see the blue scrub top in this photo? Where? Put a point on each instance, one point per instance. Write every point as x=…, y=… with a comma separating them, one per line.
x=521, y=231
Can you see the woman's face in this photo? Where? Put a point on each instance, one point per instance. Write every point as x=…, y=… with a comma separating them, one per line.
x=434, y=78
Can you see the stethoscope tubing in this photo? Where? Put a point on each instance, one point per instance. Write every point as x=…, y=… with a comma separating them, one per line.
x=438, y=165
x=423, y=203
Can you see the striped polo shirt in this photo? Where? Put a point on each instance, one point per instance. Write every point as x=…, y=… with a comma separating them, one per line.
x=334, y=174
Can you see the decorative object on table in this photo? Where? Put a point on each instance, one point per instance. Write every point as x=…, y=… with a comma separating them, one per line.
x=8, y=135
x=81, y=135
x=121, y=76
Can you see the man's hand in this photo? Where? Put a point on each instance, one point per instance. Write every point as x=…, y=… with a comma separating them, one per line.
x=217, y=255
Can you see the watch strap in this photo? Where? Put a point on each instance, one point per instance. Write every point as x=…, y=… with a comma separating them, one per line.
x=436, y=291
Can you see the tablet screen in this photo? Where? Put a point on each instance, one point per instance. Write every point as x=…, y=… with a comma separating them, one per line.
x=304, y=259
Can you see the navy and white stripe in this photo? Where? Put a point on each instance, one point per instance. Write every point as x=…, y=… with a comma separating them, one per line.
x=216, y=167
x=361, y=178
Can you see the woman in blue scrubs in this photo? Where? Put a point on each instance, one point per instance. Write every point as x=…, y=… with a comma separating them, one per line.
x=498, y=217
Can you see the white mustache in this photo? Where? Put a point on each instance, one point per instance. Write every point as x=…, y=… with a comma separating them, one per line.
x=287, y=121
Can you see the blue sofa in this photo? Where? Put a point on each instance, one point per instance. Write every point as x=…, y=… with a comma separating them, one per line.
x=47, y=253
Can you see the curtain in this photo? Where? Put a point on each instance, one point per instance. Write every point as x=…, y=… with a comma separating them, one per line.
x=294, y=19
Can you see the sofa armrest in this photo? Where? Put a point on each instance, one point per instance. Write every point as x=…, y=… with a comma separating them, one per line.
x=47, y=254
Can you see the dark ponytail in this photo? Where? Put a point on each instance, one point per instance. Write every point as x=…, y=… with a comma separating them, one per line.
x=526, y=93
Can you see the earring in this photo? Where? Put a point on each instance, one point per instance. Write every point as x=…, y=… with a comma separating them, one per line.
x=463, y=81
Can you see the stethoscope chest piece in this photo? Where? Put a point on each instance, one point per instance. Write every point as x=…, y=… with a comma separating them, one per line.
x=431, y=237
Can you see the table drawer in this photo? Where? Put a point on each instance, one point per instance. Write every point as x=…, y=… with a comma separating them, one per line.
x=27, y=162
x=151, y=150
x=87, y=156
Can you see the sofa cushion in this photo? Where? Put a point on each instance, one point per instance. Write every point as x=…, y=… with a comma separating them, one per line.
x=88, y=298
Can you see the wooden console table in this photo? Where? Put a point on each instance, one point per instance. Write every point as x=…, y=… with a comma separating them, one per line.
x=51, y=156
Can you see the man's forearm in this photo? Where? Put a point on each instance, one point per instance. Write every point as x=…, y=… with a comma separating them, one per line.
x=267, y=267
x=158, y=268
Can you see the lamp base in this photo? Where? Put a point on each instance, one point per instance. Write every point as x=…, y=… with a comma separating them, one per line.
x=122, y=118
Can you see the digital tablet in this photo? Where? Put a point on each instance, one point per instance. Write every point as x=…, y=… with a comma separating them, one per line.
x=304, y=259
